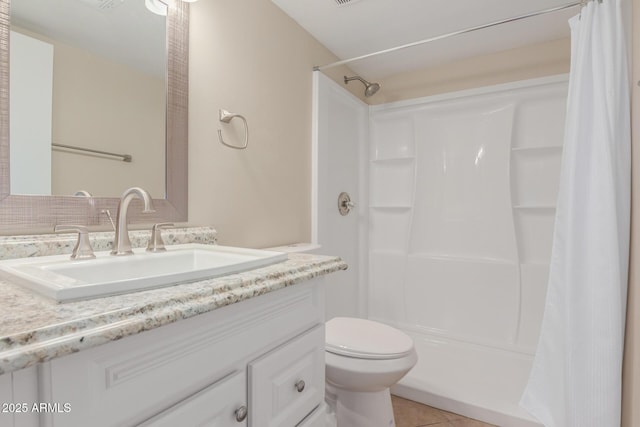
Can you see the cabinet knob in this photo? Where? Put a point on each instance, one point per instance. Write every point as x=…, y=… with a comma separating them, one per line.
x=241, y=414
x=300, y=386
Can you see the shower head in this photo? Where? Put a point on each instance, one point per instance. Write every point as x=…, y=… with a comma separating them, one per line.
x=370, y=88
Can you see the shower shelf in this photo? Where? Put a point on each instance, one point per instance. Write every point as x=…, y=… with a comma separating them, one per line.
x=394, y=160
x=388, y=252
x=391, y=207
x=449, y=257
x=538, y=264
x=537, y=149
x=536, y=207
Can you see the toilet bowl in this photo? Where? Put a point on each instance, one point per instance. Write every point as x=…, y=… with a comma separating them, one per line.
x=363, y=360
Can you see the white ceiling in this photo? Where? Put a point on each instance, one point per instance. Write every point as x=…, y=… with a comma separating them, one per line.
x=119, y=30
x=360, y=27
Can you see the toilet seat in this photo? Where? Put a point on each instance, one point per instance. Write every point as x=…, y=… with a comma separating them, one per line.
x=366, y=339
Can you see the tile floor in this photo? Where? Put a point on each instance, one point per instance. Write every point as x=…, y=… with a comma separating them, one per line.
x=413, y=414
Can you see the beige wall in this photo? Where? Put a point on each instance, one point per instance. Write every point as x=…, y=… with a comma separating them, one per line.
x=250, y=58
x=106, y=106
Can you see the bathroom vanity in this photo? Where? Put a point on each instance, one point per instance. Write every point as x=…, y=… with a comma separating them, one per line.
x=240, y=350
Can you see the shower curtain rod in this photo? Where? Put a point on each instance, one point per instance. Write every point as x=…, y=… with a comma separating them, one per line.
x=455, y=33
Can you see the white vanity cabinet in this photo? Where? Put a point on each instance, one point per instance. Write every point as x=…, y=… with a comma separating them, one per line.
x=256, y=363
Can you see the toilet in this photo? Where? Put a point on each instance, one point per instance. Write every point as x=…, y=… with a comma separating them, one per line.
x=363, y=360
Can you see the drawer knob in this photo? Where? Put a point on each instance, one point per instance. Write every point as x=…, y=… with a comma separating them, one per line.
x=300, y=386
x=241, y=414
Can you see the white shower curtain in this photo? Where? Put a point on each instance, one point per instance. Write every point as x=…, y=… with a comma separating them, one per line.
x=576, y=376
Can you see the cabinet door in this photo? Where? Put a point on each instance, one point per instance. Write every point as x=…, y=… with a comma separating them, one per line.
x=286, y=384
x=215, y=406
x=6, y=398
x=18, y=395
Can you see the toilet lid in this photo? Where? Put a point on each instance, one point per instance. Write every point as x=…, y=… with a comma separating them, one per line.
x=366, y=339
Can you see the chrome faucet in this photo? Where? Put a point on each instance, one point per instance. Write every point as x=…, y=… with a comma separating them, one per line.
x=122, y=244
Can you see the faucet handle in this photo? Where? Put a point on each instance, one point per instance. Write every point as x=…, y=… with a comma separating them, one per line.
x=156, y=244
x=82, y=249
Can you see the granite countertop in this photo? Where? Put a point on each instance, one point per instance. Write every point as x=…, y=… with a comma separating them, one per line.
x=35, y=329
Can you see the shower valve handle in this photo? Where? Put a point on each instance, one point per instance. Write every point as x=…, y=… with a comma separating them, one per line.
x=344, y=203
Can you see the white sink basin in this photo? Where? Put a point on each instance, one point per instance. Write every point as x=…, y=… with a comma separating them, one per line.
x=62, y=279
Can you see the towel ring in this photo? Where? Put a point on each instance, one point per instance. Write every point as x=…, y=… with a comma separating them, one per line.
x=226, y=117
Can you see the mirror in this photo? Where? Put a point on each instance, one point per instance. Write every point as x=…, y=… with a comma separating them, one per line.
x=23, y=213
x=88, y=74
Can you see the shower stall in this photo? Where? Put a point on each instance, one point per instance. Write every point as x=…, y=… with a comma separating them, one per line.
x=450, y=236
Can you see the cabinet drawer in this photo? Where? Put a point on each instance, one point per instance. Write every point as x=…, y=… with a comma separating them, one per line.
x=287, y=383
x=214, y=406
x=318, y=418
